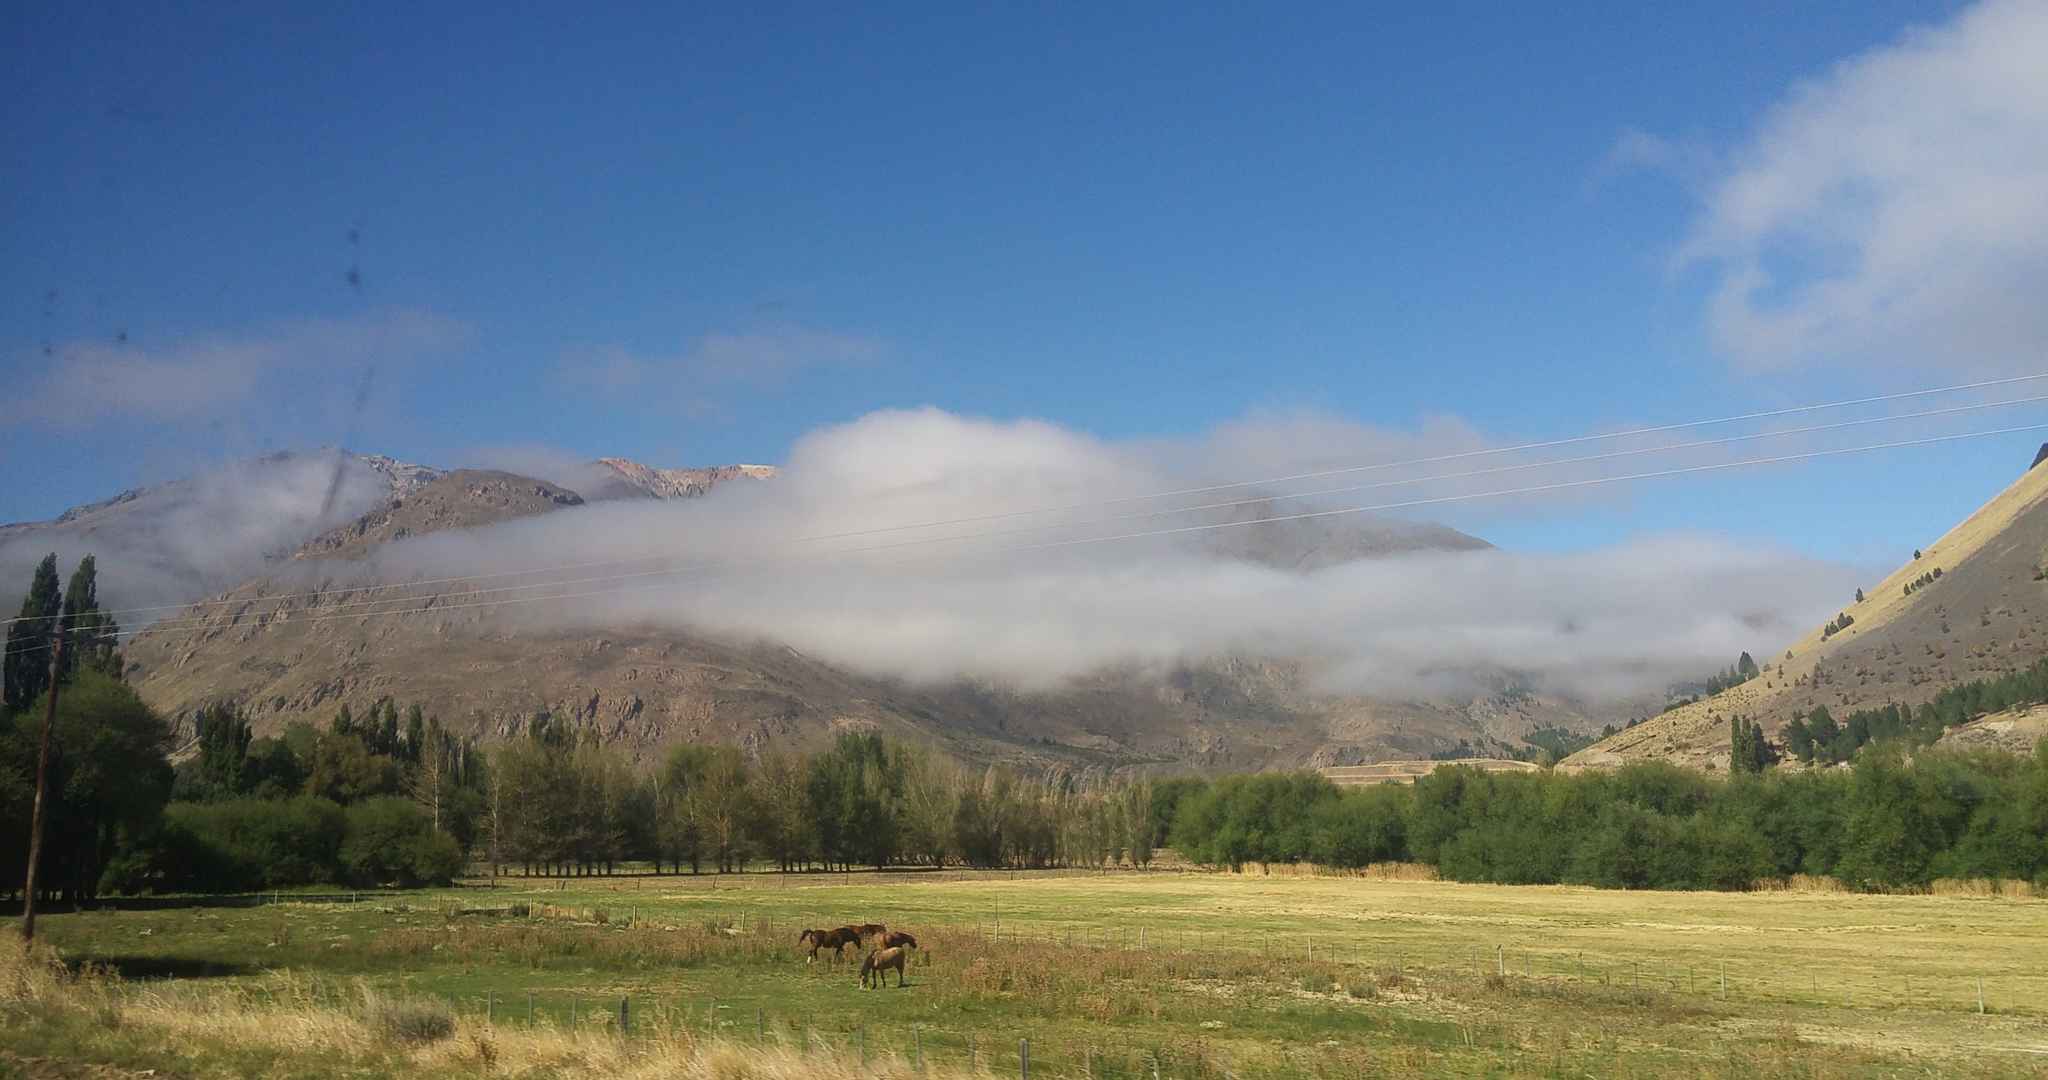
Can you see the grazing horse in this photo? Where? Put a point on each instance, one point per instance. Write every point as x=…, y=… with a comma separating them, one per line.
x=897, y=939
x=878, y=964
x=835, y=940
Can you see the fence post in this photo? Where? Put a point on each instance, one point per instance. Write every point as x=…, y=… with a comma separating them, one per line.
x=1024, y=1058
x=760, y=1026
x=529, y=1008
x=1500, y=960
x=625, y=1019
x=490, y=1006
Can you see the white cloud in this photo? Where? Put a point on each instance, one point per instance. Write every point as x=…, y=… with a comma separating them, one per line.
x=201, y=534
x=1892, y=210
x=1622, y=619
x=207, y=377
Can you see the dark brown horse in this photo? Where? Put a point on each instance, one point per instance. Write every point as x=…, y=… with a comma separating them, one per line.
x=878, y=964
x=897, y=939
x=835, y=940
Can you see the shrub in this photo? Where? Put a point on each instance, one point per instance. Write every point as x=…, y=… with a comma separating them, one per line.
x=391, y=839
x=414, y=1020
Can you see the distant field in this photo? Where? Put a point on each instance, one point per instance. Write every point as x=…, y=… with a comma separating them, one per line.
x=1407, y=772
x=1197, y=974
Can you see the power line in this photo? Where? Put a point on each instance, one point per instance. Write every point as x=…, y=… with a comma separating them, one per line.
x=1205, y=489
x=1182, y=530
x=1174, y=511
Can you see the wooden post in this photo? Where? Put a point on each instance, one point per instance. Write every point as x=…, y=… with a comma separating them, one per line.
x=490, y=1006
x=1024, y=1058
x=760, y=1026
x=529, y=1008
x=625, y=1018
x=1500, y=960
x=35, y=828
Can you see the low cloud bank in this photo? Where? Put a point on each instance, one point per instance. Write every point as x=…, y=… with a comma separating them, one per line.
x=816, y=560
x=203, y=534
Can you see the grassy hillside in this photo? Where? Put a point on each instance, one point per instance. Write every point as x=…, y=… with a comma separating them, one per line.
x=1912, y=635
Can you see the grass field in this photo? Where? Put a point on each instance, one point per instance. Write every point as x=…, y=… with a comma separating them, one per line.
x=1111, y=975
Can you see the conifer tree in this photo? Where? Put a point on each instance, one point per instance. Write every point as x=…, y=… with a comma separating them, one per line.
x=415, y=734
x=93, y=632
x=27, y=670
x=385, y=741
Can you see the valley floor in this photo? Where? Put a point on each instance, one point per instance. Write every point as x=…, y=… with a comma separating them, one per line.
x=1104, y=975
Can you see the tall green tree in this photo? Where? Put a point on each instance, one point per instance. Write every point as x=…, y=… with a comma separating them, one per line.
x=93, y=633
x=108, y=781
x=224, y=737
x=27, y=669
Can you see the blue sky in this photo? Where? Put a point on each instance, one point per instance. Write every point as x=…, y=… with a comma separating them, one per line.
x=692, y=238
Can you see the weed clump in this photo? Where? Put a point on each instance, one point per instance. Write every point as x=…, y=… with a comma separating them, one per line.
x=414, y=1021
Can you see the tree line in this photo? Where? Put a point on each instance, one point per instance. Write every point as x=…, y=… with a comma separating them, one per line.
x=389, y=794
x=1817, y=738
x=1891, y=821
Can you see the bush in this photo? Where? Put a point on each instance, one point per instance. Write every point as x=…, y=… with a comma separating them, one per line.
x=415, y=1020
x=391, y=840
x=242, y=845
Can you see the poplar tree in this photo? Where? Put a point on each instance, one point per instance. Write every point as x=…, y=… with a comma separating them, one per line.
x=27, y=671
x=93, y=632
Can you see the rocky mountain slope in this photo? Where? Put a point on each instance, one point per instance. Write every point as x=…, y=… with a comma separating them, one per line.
x=620, y=478
x=1913, y=634
x=463, y=499
x=487, y=670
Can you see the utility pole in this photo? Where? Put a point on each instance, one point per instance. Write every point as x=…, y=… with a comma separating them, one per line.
x=35, y=834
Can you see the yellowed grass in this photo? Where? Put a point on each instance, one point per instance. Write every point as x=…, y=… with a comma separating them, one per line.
x=1802, y=883
x=288, y=1015
x=1383, y=871
x=1989, y=888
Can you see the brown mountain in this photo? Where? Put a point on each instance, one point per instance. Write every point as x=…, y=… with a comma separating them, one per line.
x=487, y=670
x=463, y=499
x=1912, y=635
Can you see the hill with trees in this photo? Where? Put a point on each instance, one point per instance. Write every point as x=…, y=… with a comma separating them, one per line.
x=1962, y=609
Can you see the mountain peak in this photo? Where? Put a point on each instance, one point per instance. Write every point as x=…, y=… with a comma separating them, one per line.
x=621, y=477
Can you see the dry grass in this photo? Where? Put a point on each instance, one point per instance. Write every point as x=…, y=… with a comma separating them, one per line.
x=296, y=1020
x=1803, y=883
x=1382, y=871
x=1989, y=888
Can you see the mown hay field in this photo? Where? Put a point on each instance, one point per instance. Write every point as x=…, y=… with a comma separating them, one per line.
x=1104, y=975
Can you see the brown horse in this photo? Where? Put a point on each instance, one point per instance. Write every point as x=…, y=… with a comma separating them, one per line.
x=878, y=964
x=835, y=940
x=896, y=939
